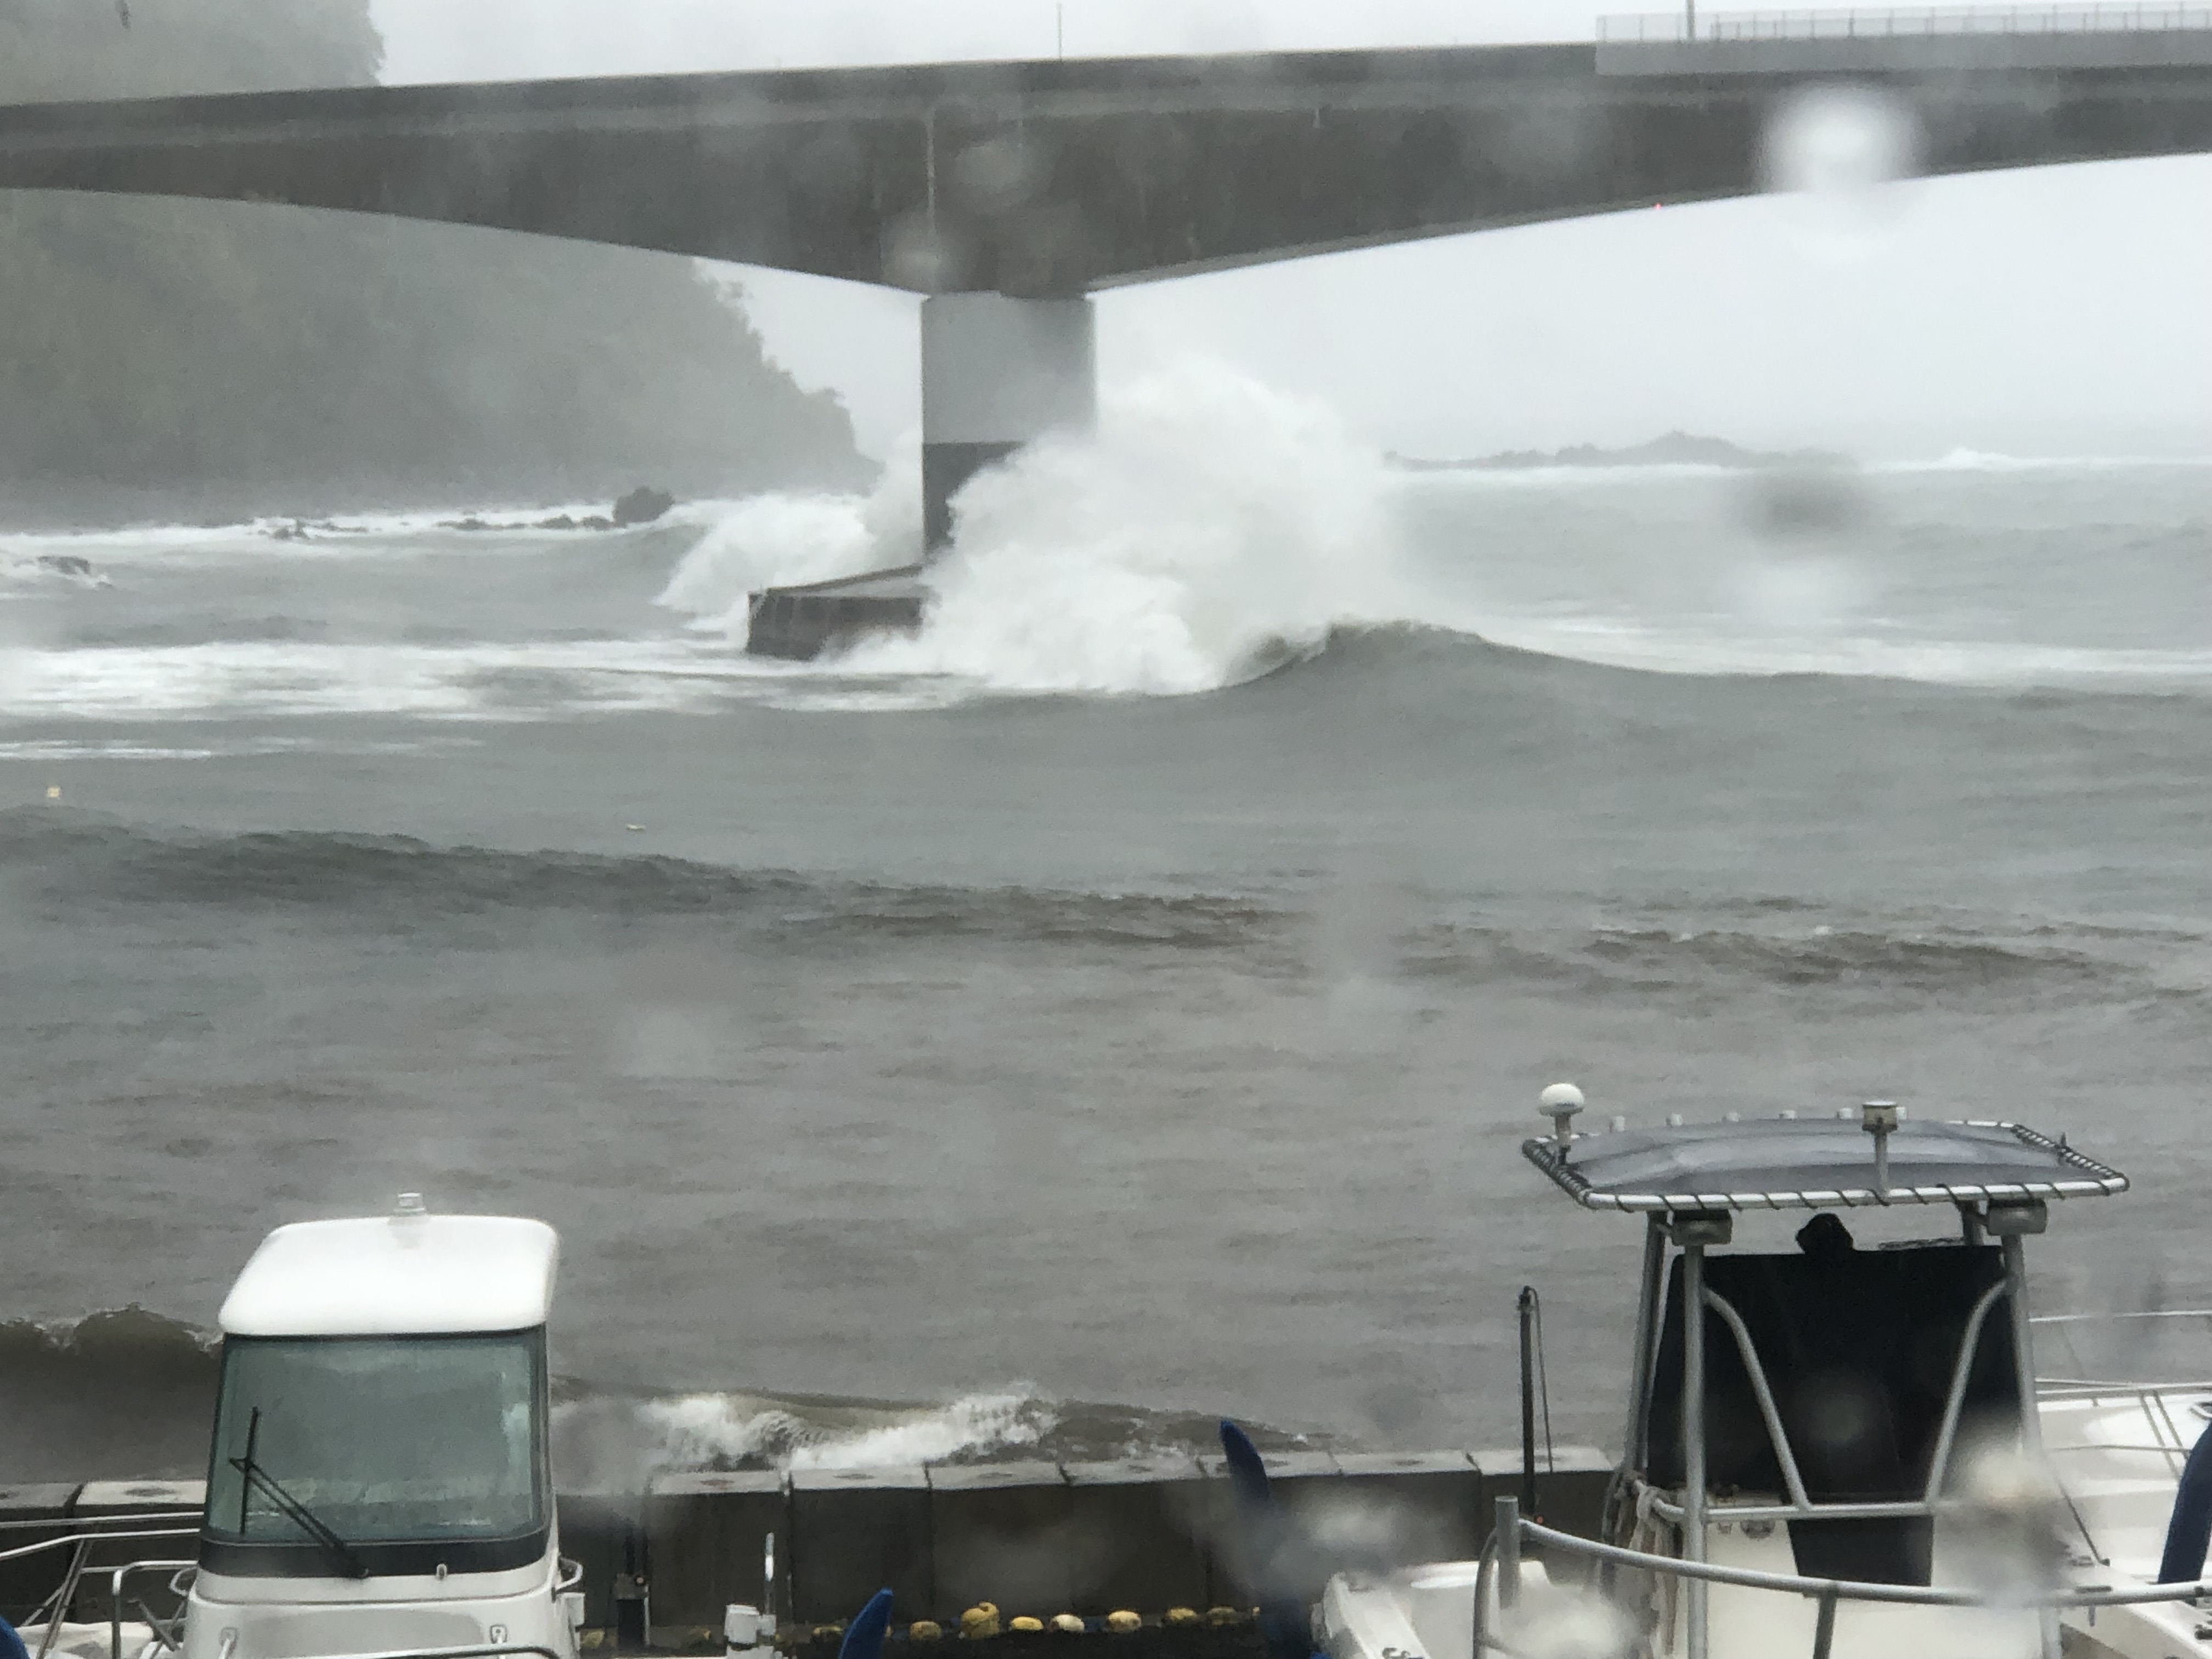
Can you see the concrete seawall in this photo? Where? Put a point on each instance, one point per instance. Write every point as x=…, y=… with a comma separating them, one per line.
x=1144, y=1534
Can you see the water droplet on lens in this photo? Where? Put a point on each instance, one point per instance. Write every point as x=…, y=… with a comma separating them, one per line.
x=1839, y=150
x=1827, y=139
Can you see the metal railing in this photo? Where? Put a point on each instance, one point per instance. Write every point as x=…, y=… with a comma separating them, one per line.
x=1800, y=1504
x=90, y=1524
x=1903, y=22
x=2161, y=1321
x=1499, y=1566
x=53, y=1611
x=122, y=1575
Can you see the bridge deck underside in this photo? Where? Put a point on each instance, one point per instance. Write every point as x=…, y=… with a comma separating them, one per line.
x=1045, y=178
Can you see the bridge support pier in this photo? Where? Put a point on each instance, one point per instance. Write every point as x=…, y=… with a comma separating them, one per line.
x=996, y=373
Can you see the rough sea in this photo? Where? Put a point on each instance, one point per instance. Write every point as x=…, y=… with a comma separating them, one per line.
x=1121, y=1005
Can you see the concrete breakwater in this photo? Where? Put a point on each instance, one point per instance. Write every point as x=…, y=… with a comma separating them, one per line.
x=800, y=623
x=1036, y=1538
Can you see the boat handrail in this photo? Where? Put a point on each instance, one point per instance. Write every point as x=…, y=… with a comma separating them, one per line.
x=134, y=1517
x=1649, y=1497
x=1828, y=1592
x=57, y=1605
x=1777, y=1437
x=116, y=1580
x=572, y=1574
x=2108, y=1316
x=2197, y=1341
x=1853, y=1589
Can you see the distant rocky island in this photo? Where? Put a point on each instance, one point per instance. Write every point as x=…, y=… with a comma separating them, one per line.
x=1675, y=449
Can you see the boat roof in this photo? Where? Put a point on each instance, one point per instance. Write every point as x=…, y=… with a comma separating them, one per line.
x=1815, y=1163
x=407, y=1274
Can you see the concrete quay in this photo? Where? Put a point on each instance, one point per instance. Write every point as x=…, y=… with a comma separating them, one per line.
x=1038, y=1538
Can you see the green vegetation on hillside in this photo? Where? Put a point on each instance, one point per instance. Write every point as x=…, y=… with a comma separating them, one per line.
x=215, y=351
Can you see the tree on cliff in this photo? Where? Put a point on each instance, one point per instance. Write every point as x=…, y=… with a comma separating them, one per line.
x=206, y=347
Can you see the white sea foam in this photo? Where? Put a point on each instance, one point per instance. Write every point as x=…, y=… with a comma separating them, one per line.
x=1964, y=459
x=364, y=535
x=439, y=682
x=1994, y=663
x=776, y=540
x=1561, y=476
x=1209, y=528
x=1631, y=474
x=703, y=1430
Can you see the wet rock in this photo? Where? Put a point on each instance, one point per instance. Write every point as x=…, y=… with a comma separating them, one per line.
x=642, y=506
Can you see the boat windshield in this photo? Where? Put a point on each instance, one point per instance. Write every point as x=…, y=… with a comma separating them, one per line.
x=379, y=1439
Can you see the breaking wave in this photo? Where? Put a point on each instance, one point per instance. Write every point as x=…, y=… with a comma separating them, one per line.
x=1212, y=529
x=602, y=1440
x=777, y=540
x=1209, y=530
x=112, y=1395
x=130, y=1394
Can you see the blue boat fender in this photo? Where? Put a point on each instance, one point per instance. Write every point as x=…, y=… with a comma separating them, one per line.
x=864, y=1636
x=2188, y=1533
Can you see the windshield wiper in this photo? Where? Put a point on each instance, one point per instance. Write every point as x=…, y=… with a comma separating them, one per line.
x=340, y=1554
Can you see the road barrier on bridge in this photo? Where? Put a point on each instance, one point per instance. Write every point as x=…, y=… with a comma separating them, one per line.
x=1855, y=24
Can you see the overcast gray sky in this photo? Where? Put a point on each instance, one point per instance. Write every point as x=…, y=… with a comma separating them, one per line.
x=2054, y=311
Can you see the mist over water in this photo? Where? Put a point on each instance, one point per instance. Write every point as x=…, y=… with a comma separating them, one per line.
x=1120, y=1004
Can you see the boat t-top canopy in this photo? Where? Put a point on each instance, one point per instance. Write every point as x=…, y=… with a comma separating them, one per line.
x=1866, y=1159
x=1858, y=1445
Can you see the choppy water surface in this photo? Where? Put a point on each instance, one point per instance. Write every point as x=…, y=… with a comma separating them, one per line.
x=1055, y=1015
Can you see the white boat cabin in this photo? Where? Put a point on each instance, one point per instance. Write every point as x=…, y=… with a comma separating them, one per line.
x=381, y=1480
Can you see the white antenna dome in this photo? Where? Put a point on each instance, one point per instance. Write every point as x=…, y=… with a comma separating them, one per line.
x=1561, y=1102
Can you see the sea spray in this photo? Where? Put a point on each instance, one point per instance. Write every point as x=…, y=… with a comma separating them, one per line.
x=601, y=1441
x=1208, y=529
x=778, y=540
x=711, y=1430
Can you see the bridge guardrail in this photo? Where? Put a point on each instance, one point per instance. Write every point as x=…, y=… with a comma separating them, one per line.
x=1886, y=23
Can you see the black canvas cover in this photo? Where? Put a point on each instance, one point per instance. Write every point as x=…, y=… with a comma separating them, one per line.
x=1859, y=1347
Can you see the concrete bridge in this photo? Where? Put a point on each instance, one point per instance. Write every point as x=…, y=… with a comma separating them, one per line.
x=1007, y=193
